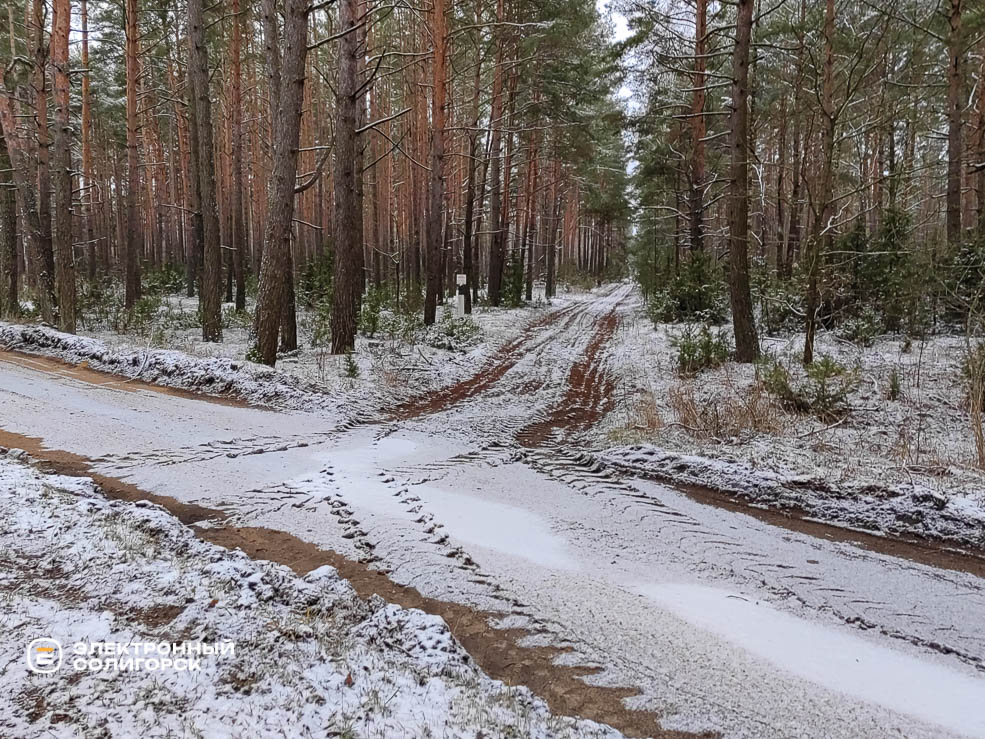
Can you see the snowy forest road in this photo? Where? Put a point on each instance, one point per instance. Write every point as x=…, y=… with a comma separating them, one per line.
x=479, y=497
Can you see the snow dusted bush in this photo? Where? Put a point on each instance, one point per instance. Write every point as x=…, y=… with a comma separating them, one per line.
x=821, y=389
x=863, y=329
x=698, y=349
x=453, y=334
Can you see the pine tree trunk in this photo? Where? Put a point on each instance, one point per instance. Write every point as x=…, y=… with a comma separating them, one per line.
x=746, y=342
x=981, y=148
x=44, y=256
x=793, y=233
x=472, y=150
x=210, y=299
x=780, y=189
x=285, y=72
x=696, y=205
x=348, y=280
x=238, y=236
x=817, y=244
x=88, y=183
x=551, y=245
x=133, y=238
x=495, y=194
x=9, y=305
x=954, y=105
x=64, y=262
x=437, y=190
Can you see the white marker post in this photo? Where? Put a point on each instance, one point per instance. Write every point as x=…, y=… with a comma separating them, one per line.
x=460, y=280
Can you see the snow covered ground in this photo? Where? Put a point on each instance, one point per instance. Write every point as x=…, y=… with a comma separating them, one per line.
x=482, y=497
x=310, y=658
x=895, y=466
x=903, y=466
x=399, y=360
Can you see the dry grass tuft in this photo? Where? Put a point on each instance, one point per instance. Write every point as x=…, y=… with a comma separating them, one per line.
x=732, y=412
x=645, y=416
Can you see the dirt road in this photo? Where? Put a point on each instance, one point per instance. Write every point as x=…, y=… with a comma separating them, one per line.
x=479, y=500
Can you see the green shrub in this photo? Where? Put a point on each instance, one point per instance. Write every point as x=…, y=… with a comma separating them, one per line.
x=695, y=293
x=698, y=349
x=173, y=316
x=140, y=318
x=252, y=284
x=572, y=278
x=404, y=327
x=781, y=302
x=232, y=318
x=166, y=280
x=823, y=390
x=513, y=281
x=412, y=298
x=321, y=322
x=253, y=353
x=895, y=388
x=372, y=305
x=350, y=366
x=315, y=283
x=864, y=328
x=453, y=334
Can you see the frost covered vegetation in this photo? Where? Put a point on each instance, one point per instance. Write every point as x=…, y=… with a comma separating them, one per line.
x=311, y=658
x=395, y=353
x=888, y=412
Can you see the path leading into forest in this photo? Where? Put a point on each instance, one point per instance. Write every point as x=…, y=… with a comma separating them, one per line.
x=477, y=503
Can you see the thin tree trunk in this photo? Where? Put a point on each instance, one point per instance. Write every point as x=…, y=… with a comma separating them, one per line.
x=495, y=194
x=780, y=190
x=236, y=112
x=821, y=232
x=9, y=298
x=88, y=183
x=133, y=245
x=697, y=208
x=436, y=209
x=44, y=254
x=954, y=104
x=981, y=148
x=793, y=233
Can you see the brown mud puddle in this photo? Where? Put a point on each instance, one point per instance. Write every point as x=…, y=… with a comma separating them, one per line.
x=497, y=651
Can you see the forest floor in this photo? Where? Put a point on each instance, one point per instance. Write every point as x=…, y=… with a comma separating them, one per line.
x=515, y=498
x=905, y=465
x=400, y=359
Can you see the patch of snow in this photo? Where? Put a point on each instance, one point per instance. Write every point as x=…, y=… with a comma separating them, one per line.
x=310, y=656
x=838, y=660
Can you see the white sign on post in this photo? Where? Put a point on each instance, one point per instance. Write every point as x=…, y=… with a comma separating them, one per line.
x=460, y=280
